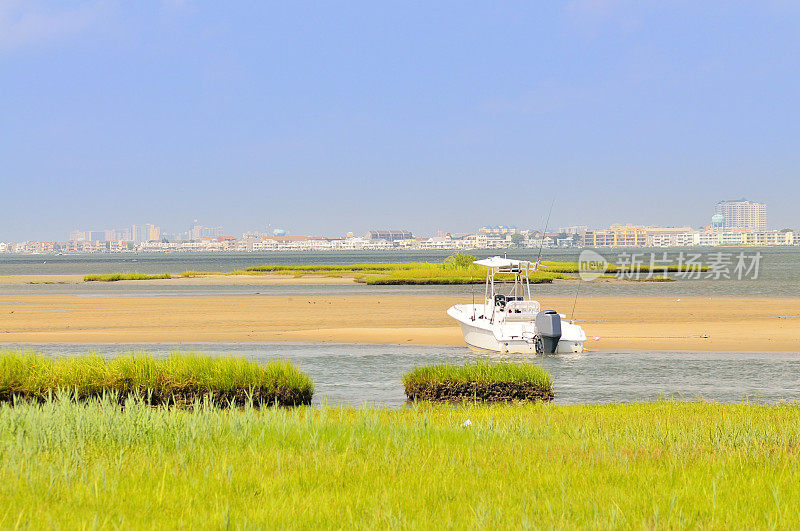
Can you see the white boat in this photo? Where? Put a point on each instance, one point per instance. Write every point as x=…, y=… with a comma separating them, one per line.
x=512, y=322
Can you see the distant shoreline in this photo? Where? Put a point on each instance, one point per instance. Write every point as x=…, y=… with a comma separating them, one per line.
x=483, y=251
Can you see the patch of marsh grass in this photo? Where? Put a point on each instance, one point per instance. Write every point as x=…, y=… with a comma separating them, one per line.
x=654, y=278
x=480, y=381
x=179, y=378
x=123, y=276
x=456, y=269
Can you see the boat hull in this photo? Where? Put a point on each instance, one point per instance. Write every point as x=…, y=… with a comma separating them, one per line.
x=480, y=335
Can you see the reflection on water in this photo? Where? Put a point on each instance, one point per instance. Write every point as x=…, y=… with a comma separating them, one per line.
x=357, y=374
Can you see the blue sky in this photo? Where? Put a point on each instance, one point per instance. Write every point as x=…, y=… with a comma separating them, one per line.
x=330, y=117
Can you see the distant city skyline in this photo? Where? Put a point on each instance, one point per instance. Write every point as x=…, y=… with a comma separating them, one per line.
x=733, y=214
x=734, y=223
x=197, y=230
x=348, y=117
x=739, y=214
x=222, y=228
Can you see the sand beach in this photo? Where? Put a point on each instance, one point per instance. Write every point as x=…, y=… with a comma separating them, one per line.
x=710, y=324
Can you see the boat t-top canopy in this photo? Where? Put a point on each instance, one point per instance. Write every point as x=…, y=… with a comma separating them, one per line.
x=504, y=265
x=521, y=269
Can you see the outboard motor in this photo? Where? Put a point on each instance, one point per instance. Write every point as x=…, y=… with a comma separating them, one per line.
x=548, y=331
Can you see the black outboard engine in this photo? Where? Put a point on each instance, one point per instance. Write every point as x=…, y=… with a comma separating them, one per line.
x=548, y=331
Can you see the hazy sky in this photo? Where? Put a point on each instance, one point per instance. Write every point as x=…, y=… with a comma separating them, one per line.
x=327, y=117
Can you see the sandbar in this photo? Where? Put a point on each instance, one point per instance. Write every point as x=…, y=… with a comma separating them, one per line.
x=612, y=323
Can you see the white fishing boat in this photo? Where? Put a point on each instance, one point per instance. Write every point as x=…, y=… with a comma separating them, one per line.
x=513, y=322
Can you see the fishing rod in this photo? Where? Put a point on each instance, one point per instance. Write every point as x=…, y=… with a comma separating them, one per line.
x=575, y=302
x=473, y=302
x=541, y=242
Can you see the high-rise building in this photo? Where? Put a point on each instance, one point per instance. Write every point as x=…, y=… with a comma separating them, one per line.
x=196, y=231
x=123, y=235
x=742, y=214
x=211, y=232
x=77, y=236
x=153, y=233
x=138, y=233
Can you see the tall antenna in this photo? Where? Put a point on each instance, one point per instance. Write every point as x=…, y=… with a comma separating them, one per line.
x=541, y=242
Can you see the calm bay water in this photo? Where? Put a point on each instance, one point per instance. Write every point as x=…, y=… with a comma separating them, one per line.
x=779, y=273
x=358, y=374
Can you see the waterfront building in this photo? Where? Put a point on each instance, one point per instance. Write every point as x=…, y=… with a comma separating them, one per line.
x=389, y=235
x=574, y=229
x=772, y=237
x=742, y=214
x=713, y=237
x=670, y=236
x=118, y=246
x=729, y=238
x=498, y=230
x=616, y=236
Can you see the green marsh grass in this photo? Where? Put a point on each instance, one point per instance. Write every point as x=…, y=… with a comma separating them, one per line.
x=456, y=269
x=178, y=379
x=123, y=276
x=436, y=274
x=481, y=381
x=657, y=465
x=574, y=268
x=655, y=278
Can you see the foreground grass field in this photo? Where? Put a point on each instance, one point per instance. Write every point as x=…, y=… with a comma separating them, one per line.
x=653, y=465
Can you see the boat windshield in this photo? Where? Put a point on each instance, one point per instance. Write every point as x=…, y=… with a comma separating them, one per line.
x=522, y=310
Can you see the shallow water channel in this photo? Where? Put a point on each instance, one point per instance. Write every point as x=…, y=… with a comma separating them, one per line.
x=358, y=374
